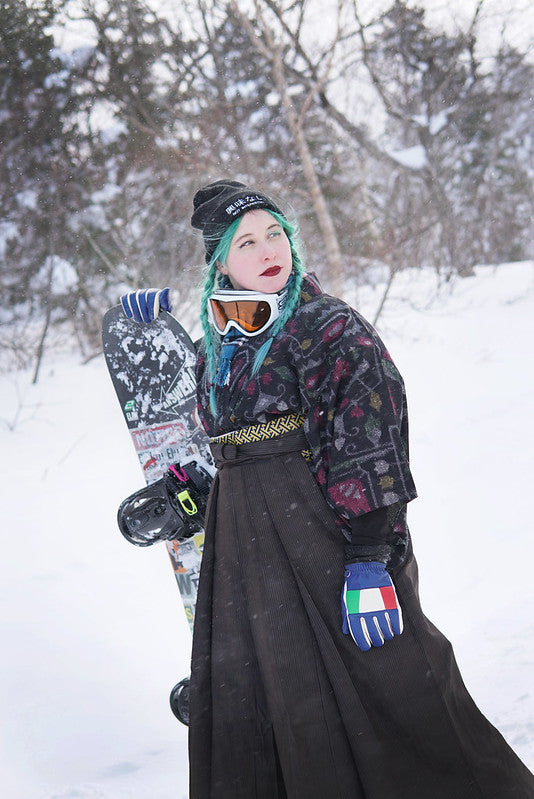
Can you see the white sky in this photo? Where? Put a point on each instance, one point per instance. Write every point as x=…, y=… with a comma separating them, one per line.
x=516, y=17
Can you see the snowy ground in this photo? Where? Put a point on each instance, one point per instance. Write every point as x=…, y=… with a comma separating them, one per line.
x=93, y=634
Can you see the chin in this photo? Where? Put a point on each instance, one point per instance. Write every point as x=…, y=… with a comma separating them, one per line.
x=267, y=285
x=272, y=285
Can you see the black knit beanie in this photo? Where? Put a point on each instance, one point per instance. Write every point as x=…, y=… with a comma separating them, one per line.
x=217, y=205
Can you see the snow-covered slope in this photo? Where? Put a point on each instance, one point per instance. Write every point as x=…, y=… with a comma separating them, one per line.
x=93, y=633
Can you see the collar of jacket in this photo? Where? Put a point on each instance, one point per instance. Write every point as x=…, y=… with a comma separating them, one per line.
x=310, y=287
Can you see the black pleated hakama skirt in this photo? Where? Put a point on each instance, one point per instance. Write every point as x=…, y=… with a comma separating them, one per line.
x=283, y=705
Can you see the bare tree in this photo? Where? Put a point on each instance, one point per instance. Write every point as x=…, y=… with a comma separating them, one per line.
x=272, y=43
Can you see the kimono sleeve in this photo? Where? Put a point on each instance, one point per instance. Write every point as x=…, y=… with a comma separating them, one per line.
x=356, y=415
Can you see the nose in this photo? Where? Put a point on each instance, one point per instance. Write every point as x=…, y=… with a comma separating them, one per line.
x=268, y=251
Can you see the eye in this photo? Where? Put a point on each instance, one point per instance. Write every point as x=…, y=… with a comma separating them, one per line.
x=245, y=243
x=274, y=233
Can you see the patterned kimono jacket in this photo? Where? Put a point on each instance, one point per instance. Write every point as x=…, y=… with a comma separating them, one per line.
x=330, y=364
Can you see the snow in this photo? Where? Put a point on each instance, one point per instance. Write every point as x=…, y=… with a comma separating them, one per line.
x=27, y=199
x=57, y=274
x=57, y=80
x=412, y=157
x=93, y=632
x=112, y=133
x=8, y=231
x=435, y=123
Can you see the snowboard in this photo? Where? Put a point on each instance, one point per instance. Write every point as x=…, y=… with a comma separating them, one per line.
x=152, y=368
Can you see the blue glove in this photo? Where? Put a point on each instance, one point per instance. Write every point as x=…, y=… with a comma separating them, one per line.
x=145, y=305
x=369, y=605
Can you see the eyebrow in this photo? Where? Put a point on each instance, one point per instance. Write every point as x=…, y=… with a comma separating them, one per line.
x=247, y=235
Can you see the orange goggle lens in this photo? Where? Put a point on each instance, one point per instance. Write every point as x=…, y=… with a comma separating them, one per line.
x=250, y=315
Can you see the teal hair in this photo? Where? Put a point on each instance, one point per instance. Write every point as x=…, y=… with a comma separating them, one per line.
x=213, y=280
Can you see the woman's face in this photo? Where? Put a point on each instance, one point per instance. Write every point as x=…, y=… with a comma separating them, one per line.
x=259, y=258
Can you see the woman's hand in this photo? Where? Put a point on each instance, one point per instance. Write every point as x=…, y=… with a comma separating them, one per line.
x=145, y=305
x=369, y=605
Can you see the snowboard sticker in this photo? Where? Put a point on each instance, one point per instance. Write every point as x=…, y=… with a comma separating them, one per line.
x=152, y=367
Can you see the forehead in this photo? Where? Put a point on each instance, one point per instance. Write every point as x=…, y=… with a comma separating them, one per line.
x=255, y=220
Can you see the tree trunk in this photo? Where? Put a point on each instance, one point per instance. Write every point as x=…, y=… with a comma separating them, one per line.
x=324, y=219
x=272, y=52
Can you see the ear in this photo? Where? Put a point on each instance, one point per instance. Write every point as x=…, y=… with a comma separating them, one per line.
x=222, y=269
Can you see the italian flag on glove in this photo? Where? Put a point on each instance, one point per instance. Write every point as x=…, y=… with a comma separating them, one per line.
x=371, y=612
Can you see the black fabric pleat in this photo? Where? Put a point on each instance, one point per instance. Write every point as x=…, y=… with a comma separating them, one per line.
x=282, y=703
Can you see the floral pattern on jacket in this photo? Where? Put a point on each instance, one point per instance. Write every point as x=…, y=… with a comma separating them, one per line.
x=329, y=363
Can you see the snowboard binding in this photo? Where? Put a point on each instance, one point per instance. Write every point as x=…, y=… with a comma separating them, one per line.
x=173, y=507
x=179, y=701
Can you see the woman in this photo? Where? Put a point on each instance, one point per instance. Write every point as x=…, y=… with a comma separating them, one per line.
x=314, y=671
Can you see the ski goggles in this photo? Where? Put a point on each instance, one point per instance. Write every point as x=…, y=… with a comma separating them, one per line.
x=249, y=312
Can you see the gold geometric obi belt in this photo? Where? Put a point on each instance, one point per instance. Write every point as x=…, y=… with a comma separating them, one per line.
x=262, y=432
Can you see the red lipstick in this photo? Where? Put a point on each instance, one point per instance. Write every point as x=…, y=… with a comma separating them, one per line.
x=271, y=271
